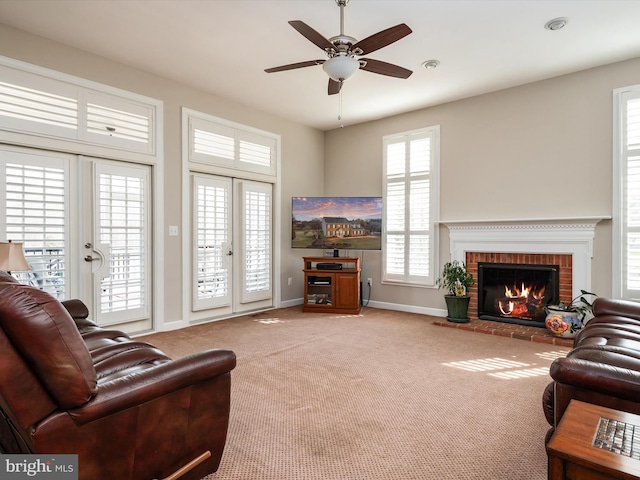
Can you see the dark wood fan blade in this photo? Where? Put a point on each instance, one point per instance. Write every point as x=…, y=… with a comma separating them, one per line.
x=292, y=66
x=381, y=39
x=311, y=35
x=384, y=68
x=334, y=87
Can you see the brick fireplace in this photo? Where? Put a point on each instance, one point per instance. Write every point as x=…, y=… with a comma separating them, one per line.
x=567, y=243
x=564, y=261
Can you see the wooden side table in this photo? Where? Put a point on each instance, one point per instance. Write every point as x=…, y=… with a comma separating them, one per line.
x=595, y=443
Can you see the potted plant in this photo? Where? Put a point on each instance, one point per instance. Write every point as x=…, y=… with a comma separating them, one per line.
x=567, y=320
x=456, y=280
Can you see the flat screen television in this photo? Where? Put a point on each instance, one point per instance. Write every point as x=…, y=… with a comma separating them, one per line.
x=336, y=223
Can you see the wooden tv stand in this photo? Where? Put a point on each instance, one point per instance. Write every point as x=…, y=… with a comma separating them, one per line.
x=331, y=285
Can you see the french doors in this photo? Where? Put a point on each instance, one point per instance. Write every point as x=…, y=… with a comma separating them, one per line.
x=232, y=248
x=85, y=227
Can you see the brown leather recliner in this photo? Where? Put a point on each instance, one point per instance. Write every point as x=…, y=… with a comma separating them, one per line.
x=128, y=411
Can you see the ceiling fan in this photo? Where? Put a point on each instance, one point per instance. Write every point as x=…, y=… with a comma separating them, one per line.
x=343, y=51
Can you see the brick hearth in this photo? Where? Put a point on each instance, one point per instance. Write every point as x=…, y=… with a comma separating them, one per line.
x=521, y=332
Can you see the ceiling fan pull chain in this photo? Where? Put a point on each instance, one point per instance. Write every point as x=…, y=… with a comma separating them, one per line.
x=340, y=108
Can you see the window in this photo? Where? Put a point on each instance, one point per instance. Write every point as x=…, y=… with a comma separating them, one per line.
x=221, y=143
x=410, y=186
x=627, y=193
x=47, y=103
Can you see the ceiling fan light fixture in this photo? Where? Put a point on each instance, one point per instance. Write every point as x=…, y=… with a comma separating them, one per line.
x=341, y=68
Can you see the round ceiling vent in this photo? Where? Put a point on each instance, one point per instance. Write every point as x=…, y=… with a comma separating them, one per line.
x=556, y=23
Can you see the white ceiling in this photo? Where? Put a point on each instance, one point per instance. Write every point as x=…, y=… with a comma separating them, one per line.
x=223, y=46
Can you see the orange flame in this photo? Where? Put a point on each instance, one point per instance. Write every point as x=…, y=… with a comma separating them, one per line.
x=516, y=299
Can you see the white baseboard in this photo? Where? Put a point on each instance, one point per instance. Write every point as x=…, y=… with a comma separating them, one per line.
x=291, y=303
x=436, y=312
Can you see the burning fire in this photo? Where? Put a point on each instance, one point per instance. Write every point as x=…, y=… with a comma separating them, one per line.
x=521, y=302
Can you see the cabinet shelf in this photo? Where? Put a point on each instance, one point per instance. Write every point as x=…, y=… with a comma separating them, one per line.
x=332, y=284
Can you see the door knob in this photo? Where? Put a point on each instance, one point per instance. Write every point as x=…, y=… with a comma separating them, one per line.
x=89, y=258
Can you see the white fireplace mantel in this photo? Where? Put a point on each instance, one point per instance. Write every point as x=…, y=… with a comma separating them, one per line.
x=557, y=236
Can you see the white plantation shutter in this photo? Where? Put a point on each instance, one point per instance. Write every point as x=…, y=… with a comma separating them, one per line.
x=394, y=209
x=115, y=121
x=256, y=152
x=630, y=187
x=212, y=232
x=34, y=205
x=256, y=206
x=219, y=144
x=410, y=210
x=53, y=111
x=123, y=219
x=211, y=144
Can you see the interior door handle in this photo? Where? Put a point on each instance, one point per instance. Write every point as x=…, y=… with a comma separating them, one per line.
x=89, y=258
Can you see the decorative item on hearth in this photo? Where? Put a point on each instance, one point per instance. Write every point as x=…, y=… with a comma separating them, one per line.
x=567, y=320
x=456, y=280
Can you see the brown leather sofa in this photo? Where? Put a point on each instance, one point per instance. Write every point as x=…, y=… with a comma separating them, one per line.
x=603, y=367
x=127, y=410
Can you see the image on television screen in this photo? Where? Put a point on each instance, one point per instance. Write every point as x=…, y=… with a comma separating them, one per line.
x=349, y=223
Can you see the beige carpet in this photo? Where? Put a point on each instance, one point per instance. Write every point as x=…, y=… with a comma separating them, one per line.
x=381, y=395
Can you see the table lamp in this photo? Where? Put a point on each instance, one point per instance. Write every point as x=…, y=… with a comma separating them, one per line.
x=12, y=257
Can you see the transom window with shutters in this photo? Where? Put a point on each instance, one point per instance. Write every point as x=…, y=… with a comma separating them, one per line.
x=627, y=193
x=30, y=102
x=222, y=145
x=410, y=177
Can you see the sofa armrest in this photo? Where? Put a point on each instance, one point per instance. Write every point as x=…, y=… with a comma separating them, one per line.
x=617, y=307
x=606, y=379
x=153, y=382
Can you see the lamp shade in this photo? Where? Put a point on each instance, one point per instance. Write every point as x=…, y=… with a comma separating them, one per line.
x=12, y=257
x=341, y=67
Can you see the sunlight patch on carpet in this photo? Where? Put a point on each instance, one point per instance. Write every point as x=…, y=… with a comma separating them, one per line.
x=269, y=321
x=552, y=355
x=526, y=373
x=486, y=364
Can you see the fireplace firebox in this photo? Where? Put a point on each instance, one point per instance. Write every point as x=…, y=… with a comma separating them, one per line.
x=516, y=293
